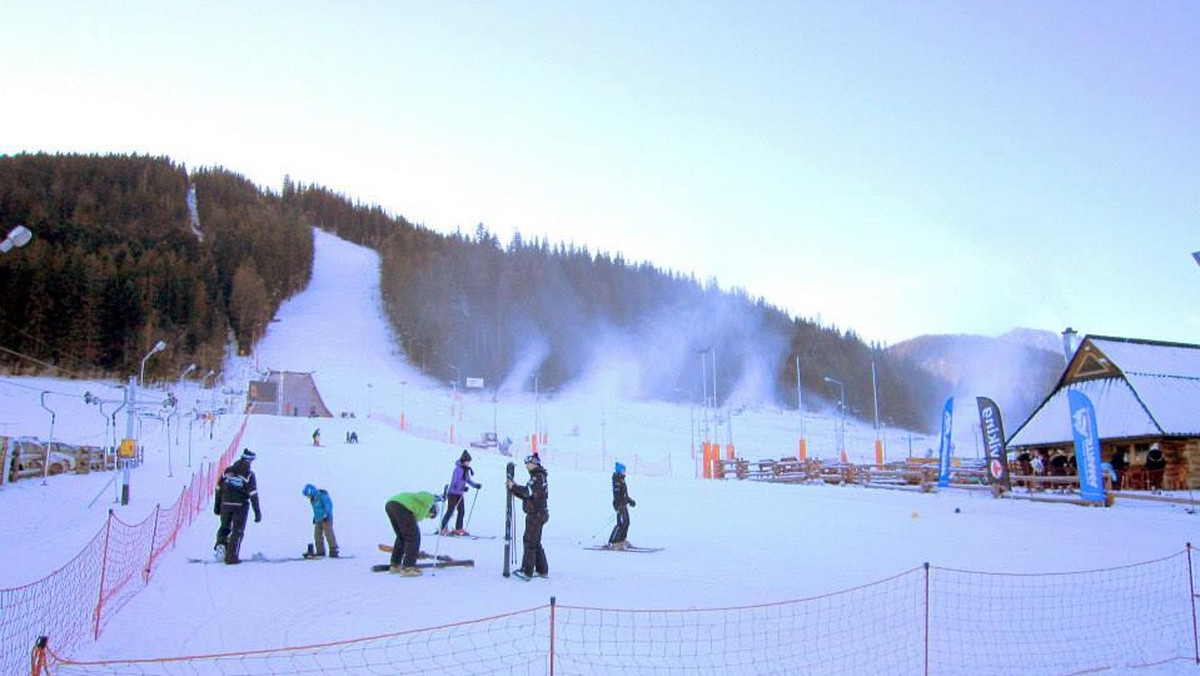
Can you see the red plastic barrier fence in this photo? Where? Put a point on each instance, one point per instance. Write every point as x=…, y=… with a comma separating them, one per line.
x=73, y=603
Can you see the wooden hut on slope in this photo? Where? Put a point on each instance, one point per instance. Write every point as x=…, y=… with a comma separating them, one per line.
x=1145, y=393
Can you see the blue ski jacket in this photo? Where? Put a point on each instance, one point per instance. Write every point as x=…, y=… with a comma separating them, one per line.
x=322, y=505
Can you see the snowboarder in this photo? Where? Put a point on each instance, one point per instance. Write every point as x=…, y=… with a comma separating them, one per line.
x=534, y=497
x=322, y=507
x=317, y=437
x=236, y=493
x=460, y=482
x=404, y=510
x=621, y=502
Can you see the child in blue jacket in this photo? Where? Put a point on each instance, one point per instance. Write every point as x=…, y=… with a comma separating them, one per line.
x=322, y=508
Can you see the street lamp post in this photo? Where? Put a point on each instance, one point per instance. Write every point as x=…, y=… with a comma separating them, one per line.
x=189, y=369
x=536, y=410
x=158, y=347
x=800, y=409
x=878, y=443
x=50, y=443
x=841, y=415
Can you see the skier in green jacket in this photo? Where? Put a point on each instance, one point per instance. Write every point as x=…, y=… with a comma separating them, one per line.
x=404, y=510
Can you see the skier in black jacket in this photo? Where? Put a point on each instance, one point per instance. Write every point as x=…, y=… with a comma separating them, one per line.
x=237, y=491
x=534, y=497
x=621, y=502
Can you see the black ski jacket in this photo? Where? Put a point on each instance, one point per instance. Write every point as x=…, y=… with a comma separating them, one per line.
x=621, y=492
x=236, y=487
x=534, y=495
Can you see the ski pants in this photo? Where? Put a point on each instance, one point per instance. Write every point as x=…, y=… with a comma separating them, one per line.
x=454, y=503
x=535, y=556
x=408, y=536
x=621, y=530
x=233, y=527
x=322, y=532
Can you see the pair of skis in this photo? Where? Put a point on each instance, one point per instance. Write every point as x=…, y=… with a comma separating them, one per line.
x=631, y=549
x=426, y=560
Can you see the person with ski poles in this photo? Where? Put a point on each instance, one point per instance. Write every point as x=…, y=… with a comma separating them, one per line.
x=534, y=497
x=621, y=503
x=322, y=507
x=236, y=493
x=460, y=480
x=404, y=510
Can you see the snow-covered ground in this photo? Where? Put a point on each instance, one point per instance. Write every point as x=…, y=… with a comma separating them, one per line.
x=726, y=543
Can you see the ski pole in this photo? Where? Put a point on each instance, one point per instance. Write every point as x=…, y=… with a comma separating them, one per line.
x=603, y=527
x=471, y=512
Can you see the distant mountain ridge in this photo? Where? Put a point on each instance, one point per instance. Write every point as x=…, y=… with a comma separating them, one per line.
x=1016, y=369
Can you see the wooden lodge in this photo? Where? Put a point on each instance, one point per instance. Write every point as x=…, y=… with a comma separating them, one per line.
x=1144, y=392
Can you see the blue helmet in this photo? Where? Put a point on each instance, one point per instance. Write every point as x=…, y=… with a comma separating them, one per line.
x=309, y=490
x=619, y=468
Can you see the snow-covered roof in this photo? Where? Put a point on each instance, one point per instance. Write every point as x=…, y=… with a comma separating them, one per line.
x=1149, y=358
x=1150, y=390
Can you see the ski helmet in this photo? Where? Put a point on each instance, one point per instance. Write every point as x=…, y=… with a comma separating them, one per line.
x=619, y=468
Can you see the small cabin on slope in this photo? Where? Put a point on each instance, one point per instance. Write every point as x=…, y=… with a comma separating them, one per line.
x=1145, y=393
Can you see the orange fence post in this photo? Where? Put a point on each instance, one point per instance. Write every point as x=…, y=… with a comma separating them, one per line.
x=803, y=449
x=878, y=453
x=729, y=452
x=37, y=661
x=707, y=460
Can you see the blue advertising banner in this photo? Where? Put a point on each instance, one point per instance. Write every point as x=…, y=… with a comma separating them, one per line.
x=945, y=448
x=1087, y=446
x=992, y=428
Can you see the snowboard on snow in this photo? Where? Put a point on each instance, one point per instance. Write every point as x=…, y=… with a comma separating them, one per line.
x=420, y=555
x=259, y=557
x=636, y=550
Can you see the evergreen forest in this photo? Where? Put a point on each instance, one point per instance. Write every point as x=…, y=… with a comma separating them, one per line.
x=129, y=249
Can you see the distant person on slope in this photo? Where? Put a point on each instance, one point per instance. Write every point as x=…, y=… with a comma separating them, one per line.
x=322, y=507
x=237, y=491
x=460, y=482
x=317, y=437
x=404, y=510
x=621, y=502
x=1156, y=465
x=534, y=497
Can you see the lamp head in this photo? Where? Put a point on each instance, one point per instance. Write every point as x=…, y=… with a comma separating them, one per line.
x=17, y=237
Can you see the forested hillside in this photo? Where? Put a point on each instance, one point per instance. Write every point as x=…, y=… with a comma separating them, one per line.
x=467, y=305
x=115, y=264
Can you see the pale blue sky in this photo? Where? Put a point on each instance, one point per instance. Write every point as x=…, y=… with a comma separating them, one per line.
x=897, y=168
